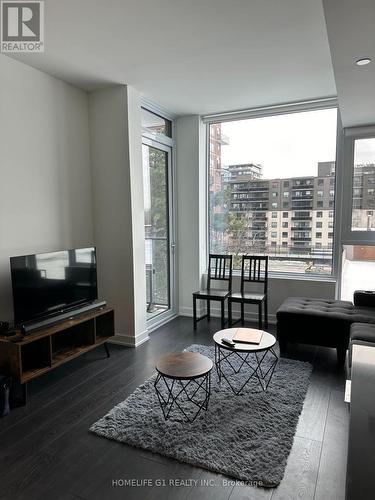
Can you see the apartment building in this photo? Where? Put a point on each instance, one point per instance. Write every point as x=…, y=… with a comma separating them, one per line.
x=287, y=216
x=217, y=140
x=363, y=218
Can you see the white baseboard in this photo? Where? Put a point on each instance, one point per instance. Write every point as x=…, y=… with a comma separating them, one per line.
x=188, y=311
x=130, y=340
x=251, y=316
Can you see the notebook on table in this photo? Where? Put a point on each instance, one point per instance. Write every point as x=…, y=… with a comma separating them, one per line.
x=247, y=336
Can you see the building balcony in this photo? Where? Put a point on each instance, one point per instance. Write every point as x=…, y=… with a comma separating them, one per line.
x=303, y=197
x=301, y=206
x=256, y=235
x=301, y=228
x=255, y=187
x=303, y=184
x=238, y=209
x=258, y=218
x=258, y=209
x=251, y=197
x=241, y=187
x=302, y=217
x=301, y=238
x=257, y=197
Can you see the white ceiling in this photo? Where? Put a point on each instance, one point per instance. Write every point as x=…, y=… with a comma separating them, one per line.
x=191, y=56
x=350, y=25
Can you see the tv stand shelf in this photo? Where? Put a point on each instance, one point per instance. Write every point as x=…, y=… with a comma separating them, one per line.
x=50, y=347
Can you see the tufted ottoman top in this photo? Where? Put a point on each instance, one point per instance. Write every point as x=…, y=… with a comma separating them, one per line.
x=323, y=308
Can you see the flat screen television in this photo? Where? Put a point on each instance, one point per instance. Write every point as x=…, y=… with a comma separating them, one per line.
x=49, y=284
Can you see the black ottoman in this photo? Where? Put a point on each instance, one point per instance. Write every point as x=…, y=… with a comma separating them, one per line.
x=361, y=334
x=319, y=322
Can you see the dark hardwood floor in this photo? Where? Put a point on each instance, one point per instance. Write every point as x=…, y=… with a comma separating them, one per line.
x=46, y=451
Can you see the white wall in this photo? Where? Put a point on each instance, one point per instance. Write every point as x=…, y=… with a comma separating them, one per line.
x=45, y=181
x=116, y=159
x=191, y=203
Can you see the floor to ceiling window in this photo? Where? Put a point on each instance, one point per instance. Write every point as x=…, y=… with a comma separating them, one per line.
x=363, y=195
x=159, y=241
x=272, y=189
x=358, y=256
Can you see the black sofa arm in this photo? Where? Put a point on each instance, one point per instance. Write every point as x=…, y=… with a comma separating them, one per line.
x=364, y=298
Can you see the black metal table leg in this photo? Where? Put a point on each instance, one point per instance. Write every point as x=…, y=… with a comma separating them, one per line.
x=173, y=398
x=263, y=375
x=107, y=350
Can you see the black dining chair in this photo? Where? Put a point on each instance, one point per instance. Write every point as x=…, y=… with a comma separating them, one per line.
x=219, y=269
x=254, y=270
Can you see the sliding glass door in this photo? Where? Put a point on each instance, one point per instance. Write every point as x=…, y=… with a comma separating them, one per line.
x=159, y=241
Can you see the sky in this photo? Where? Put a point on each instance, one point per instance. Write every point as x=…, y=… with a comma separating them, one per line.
x=285, y=145
x=364, y=151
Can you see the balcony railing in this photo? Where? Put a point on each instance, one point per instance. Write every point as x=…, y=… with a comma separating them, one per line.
x=303, y=197
x=259, y=217
x=307, y=253
x=301, y=228
x=251, y=197
x=254, y=199
x=301, y=217
x=303, y=205
x=303, y=184
x=301, y=238
x=258, y=209
x=254, y=187
x=257, y=236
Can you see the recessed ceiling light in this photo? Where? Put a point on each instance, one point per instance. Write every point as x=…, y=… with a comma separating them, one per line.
x=363, y=62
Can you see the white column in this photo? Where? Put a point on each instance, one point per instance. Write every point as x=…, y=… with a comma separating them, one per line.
x=191, y=208
x=116, y=161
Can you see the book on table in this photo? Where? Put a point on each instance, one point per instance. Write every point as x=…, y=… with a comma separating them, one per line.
x=247, y=336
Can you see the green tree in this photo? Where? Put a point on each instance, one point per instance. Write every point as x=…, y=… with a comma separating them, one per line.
x=156, y=223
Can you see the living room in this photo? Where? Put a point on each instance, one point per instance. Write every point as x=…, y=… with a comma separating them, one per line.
x=187, y=218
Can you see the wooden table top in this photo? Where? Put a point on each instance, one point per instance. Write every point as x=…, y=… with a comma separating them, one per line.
x=184, y=365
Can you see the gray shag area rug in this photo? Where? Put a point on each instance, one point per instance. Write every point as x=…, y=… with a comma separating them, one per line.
x=248, y=437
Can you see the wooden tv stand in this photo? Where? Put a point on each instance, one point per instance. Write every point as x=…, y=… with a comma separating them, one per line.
x=50, y=347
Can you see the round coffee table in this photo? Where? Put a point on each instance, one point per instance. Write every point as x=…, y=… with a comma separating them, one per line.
x=183, y=376
x=260, y=359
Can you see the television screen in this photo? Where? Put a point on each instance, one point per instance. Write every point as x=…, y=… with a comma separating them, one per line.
x=50, y=283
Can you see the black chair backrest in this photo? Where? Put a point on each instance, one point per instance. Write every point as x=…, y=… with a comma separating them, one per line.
x=254, y=270
x=220, y=268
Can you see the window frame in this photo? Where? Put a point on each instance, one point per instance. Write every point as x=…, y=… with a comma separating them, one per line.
x=315, y=105
x=350, y=237
x=168, y=144
x=159, y=137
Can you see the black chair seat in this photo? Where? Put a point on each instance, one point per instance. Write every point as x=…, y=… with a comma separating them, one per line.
x=212, y=294
x=247, y=297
